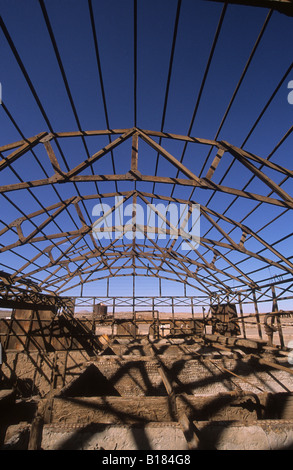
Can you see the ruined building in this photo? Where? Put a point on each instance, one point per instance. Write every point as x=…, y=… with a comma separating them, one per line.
x=146, y=280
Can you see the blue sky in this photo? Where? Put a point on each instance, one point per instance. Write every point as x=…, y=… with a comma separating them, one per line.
x=198, y=22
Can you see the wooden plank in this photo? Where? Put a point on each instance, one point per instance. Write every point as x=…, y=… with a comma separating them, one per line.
x=82, y=166
x=257, y=314
x=12, y=157
x=53, y=158
x=134, y=152
x=241, y=315
x=169, y=157
x=187, y=426
x=63, y=135
x=202, y=183
x=240, y=156
x=35, y=439
x=276, y=309
x=166, y=135
x=14, y=145
x=273, y=365
x=215, y=163
x=235, y=342
x=184, y=138
x=265, y=162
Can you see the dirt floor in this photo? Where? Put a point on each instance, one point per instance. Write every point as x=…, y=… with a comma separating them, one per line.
x=178, y=393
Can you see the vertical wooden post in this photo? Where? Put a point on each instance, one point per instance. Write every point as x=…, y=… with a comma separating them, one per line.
x=257, y=314
x=134, y=152
x=192, y=313
x=241, y=314
x=133, y=306
x=35, y=438
x=158, y=325
x=276, y=309
x=204, y=322
x=10, y=328
x=93, y=324
x=210, y=311
x=153, y=313
x=41, y=329
x=113, y=323
x=192, y=309
x=29, y=333
x=173, y=320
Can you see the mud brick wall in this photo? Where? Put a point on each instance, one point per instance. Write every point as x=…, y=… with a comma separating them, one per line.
x=110, y=410
x=38, y=373
x=222, y=407
x=132, y=377
x=203, y=377
x=27, y=329
x=43, y=331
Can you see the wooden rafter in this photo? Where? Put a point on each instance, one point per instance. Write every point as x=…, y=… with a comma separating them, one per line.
x=151, y=257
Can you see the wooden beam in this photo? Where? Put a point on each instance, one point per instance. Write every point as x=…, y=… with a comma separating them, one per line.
x=273, y=365
x=240, y=156
x=169, y=157
x=14, y=145
x=215, y=163
x=186, y=425
x=53, y=158
x=35, y=439
x=257, y=314
x=276, y=309
x=134, y=152
x=29, y=144
x=166, y=135
x=235, y=342
x=82, y=166
x=202, y=183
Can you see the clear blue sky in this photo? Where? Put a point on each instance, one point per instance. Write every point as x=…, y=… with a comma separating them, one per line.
x=198, y=21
